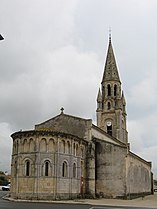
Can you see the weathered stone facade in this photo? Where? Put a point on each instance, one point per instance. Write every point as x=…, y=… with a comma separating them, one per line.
x=68, y=157
x=47, y=165
x=138, y=176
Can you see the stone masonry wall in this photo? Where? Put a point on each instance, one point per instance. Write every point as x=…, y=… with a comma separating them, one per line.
x=110, y=169
x=65, y=156
x=68, y=124
x=138, y=175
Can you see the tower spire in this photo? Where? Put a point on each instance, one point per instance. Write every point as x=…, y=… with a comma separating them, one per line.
x=110, y=69
x=111, y=113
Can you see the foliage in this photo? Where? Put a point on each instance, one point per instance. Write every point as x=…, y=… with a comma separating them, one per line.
x=3, y=181
x=1, y=173
x=155, y=182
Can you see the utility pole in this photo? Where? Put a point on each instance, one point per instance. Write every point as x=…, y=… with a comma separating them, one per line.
x=1, y=38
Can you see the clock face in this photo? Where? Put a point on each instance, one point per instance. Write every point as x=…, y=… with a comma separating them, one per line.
x=109, y=123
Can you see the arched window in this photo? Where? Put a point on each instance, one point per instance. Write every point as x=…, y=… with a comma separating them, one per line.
x=115, y=90
x=63, y=146
x=68, y=144
x=27, y=168
x=64, y=169
x=109, y=128
x=109, y=90
x=74, y=170
x=74, y=149
x=46, y=168
x=108, y=105
x=77, y=150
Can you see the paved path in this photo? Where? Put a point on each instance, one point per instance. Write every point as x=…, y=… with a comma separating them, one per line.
x=149, y=201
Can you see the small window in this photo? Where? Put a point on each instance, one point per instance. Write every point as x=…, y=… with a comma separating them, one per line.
x=115, y=90
x=74, y=170
x=63, y=146
x=109, y=89
x=74, y=149
x=108, y=105
x=77, y=150
x=27, y=168
x=46, y=168
x=109, y=130
x=68, y=144
x=64, y=169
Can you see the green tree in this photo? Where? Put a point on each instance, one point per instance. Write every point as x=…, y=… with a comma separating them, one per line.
x=155, y=182
x=3, y=181
x=1, y=173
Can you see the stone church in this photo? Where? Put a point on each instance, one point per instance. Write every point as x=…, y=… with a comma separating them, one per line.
x=68, y=157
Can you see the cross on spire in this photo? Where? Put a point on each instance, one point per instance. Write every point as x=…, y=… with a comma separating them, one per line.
x=62, y=109
x=110, y=32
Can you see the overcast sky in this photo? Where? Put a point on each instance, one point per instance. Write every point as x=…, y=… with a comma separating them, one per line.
x=53, y=56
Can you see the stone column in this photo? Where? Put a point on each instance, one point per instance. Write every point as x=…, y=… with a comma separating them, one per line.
x=90, y=163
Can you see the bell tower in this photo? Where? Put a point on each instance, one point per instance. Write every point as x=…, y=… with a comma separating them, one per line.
x=111, y=105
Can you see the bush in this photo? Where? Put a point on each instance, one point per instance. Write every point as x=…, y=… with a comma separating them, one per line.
x=3, y=181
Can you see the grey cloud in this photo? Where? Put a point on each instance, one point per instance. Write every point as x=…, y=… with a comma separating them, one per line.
x=53, y=55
